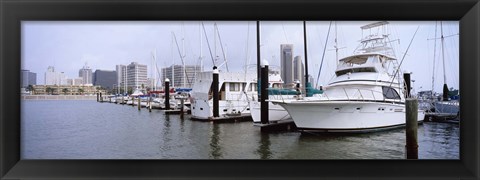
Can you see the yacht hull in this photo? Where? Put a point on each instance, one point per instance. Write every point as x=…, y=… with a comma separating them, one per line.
x=275, y=112
x=344, y=116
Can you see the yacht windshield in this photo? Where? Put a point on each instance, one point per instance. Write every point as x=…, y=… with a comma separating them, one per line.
x=390, y=93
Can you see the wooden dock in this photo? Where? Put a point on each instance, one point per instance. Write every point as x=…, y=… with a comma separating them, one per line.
x=232, y=118
x=442, y=117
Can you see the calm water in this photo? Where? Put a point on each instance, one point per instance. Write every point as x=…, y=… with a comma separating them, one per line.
x=91, y=130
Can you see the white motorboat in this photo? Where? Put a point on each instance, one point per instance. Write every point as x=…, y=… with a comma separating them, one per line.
x=364, y=95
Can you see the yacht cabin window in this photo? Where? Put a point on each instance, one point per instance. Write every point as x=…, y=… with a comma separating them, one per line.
x=355, y=70
x=233, y=87
x=390, y=93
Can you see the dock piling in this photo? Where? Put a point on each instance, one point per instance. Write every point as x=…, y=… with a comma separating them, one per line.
x=406, y=78
x=138, y=103
x=264, y=93
x=215, y=92
x=167, y=94
x=150, y=103
x=181, y=107
x=98, y=95
x=411, y=127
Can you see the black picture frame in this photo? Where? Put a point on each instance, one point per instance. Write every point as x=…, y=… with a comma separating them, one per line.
x=12, y=12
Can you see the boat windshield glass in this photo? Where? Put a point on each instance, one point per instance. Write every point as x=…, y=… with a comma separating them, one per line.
x=390, y=93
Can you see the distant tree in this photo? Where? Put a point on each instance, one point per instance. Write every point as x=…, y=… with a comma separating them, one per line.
x=81, y=91
x=49, y=90
x=130, y=90
x=143, y=86
x=30, y=88
x=65, y=91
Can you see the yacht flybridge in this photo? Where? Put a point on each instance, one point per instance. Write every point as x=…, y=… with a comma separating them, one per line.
x=364, y=95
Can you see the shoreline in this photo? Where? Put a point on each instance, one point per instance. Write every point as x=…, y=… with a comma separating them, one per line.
x=57, y=97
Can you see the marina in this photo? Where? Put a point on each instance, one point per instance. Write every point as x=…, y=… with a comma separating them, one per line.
x=362, y=105
x=66, y=129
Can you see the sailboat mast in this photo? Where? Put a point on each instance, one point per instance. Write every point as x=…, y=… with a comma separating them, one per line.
x=443, y=54
x=445, y=87
x=336, y=44
x=306, y=59
x=434, y=57
x=183, y=56
x=201, y=53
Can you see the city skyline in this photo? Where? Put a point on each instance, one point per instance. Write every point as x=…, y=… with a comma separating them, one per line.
x=67, y=45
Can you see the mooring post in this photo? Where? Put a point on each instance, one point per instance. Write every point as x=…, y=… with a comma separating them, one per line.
x=138, y=103
x=150, y=103
x=411, y=127
x=264, y=93
x=406, y=78
x=98, y=96
x=181, y=107
x=123, y=102
x=101, y=98
x=167, y=94
x=215, y=92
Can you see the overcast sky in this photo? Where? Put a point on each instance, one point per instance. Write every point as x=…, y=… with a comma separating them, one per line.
x=103, y=44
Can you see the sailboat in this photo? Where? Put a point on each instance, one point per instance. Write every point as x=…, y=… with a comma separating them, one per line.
x=364, y=95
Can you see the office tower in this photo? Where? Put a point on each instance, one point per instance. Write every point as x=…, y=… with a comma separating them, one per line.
x=105, y=78
x=86, y=74
x=298, y=69
x=50, y=76
x=137, y=75
x=177, y=76
x=286, y=63
x=28, y=78
x=121, y=77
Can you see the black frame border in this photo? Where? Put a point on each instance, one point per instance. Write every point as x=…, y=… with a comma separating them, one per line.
x=12, y=12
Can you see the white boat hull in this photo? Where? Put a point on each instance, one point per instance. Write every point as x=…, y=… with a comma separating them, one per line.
x=347, y=115
x=275, y=112
x=203, y=110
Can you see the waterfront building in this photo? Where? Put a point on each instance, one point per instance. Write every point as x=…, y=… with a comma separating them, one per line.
x=136, y=75
x=180, y=77
x=86, y=74
x=105, y=78
x=286, y=63
x=298, y=69
x=28, y=78
x=66, y=90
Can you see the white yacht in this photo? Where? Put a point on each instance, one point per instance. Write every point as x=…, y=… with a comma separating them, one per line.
x=234, y=89
x=364, y=95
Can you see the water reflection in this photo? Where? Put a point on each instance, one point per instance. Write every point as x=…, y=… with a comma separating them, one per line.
x=215, y=147
x=264, y=146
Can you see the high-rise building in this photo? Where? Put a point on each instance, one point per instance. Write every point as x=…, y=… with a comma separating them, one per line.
x=137, y=75
x=105, y=78
x=86, y=74
x=50, y=76
x=180, y=77
x=28, y=78
x=54, y=78
x=298, y=69
x=121, y=77
x=286, y=63
x=61, y=78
